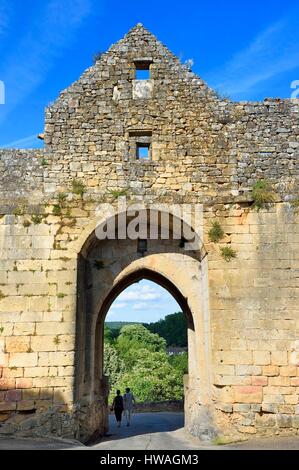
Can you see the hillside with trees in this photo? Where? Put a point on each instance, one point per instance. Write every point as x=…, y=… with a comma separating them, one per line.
x=173, y=328
x=138, y=358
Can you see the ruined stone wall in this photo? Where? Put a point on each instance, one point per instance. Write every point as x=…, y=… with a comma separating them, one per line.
x=204, y=150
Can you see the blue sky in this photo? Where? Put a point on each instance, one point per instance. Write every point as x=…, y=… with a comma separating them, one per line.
x=145, y=301
x=247, y=50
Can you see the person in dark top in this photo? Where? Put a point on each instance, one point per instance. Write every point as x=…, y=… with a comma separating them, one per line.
x=118, y=407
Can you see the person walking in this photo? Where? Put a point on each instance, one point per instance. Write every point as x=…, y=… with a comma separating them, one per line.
x=129, y=400
x=118, y=407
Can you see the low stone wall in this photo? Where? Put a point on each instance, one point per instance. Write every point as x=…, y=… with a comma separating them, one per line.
x=159, y=406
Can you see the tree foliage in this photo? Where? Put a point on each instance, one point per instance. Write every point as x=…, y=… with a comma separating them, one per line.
x=137, y=358
x=110, y=335
x=173, y=328
x=180, y=362
x=137, y=337
x=152, y=377
x=114, y=366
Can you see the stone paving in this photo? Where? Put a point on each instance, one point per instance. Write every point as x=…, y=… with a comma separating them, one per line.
x=149, y=431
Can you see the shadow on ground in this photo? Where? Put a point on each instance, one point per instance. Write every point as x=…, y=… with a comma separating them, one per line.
x=142, y=423
x=38, y=444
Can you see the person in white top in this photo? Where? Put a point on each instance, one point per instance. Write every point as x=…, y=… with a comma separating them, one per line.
x=129, y=401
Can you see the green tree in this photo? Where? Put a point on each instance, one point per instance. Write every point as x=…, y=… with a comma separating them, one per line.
x=137, y=358
x=152, y=378
x=135, y=337
x=173, y=328
x=114, y=366
x=110, y=334
x=179, y=362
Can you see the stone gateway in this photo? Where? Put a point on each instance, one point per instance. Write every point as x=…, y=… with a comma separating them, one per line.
x=164, y=139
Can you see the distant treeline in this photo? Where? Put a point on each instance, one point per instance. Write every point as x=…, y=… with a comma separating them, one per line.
x=173, y=328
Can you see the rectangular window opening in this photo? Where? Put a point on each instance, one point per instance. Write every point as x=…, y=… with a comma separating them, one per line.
x=143, y=151
x=142, y=70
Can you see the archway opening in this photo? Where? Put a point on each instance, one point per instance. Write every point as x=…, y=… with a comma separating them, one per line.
x=106, y=267
x=146, y=349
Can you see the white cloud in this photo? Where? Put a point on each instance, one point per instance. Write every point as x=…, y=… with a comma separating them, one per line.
x=25, y=142
x=272, y=52
x=48, y=35
x=118, y=305
x=142, y=302
x=140, y=306
x=141, y=291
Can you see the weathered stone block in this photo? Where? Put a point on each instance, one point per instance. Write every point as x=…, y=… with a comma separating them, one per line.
x=237, y=357
x=260, y=380
x=26, y=405
x=43, y=343
x=295, y=382
x=273, y=399
x=13, y=395
x=8, y=406
x=248, y=370
x=55, y=328
x=241, y=408
x=248, y=394
x=6, y=384
x=271, y=371
x=265, y=421
x=269, y=408
x=35, y=372
x=279, y=358
x=23, y=383
x=280, y=381
x=17, y=344
x=261, y=358
x=24, y=329
x=56, y=358
x=284, y=421
x=23, y=359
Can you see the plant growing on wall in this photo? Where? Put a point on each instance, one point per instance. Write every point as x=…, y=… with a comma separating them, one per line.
x=2, y=296
x=216, y=233
x=36, y=219
x=116, y=193
x=56, y=340
x=262, y=194
x=19, y=210
x=228, y=253
x=78, y=188
x=57, y=208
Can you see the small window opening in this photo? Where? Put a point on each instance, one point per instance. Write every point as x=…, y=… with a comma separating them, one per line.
x=142, y=71
x=142, y=74
x=143, y=151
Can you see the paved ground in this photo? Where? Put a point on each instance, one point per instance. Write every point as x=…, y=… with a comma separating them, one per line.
x=149, y=431
x=39, y=444
x=164, y=431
